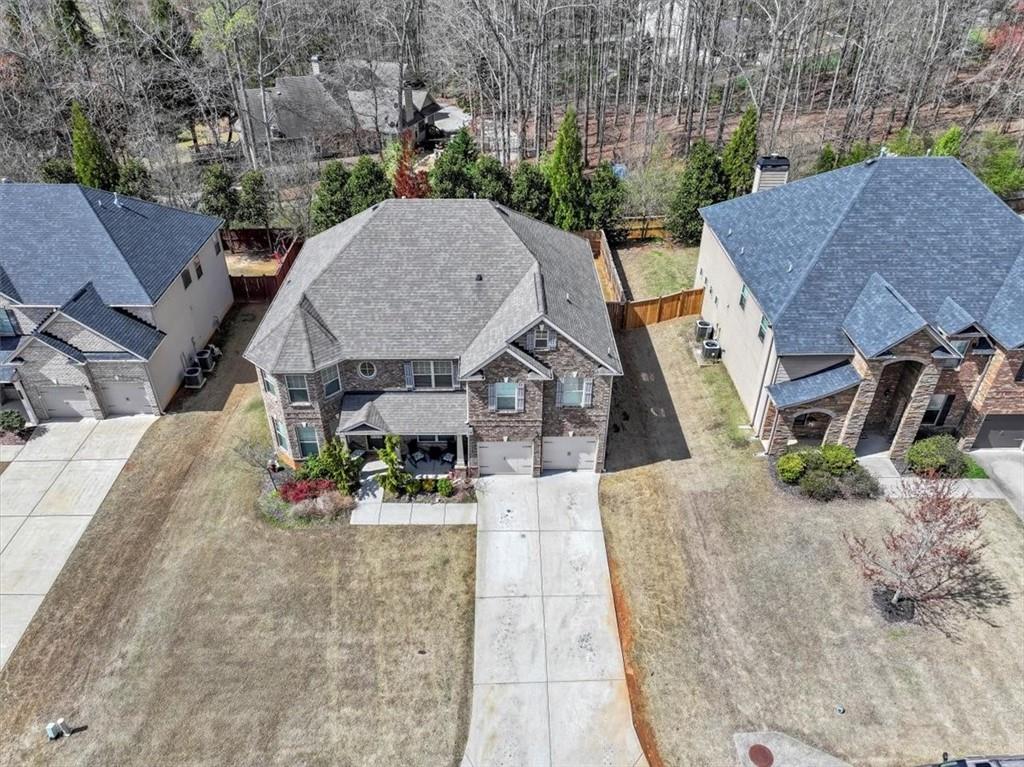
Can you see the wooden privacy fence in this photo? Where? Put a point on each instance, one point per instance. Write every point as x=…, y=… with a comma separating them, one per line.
x=260, y=288
x=644, y=227
x=637, y=314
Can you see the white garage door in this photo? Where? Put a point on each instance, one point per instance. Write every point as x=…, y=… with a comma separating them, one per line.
x=575, y=453
x=66, y=402
x=124, y=398
x=505, y=457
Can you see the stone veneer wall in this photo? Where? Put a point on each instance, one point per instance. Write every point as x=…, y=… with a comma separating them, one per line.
x=43, y=367
x=998, y=394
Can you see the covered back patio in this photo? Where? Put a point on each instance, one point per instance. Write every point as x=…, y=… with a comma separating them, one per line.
x=431, y=426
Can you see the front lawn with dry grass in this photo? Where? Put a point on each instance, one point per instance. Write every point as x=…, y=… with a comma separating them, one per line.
x=744, y=611
x=184, y=630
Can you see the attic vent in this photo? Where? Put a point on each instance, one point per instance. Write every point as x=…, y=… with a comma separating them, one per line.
x=479, y=278
x=870, y=161
x=789, y=267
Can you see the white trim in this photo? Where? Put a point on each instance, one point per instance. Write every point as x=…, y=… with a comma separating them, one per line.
x=359, y=370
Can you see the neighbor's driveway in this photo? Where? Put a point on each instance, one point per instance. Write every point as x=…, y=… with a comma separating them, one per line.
x=549, y=687
x=48, y=495
x=1006, y=468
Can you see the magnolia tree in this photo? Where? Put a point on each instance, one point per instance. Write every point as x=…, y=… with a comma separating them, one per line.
x=929, y=565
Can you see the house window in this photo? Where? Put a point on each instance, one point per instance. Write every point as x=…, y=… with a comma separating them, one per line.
x=280, y=435
x=432, y=374
x=198, y=267
x=6, y=325
x=217, y=245
x=297, y=390
x=743, y=297
x=762, y=330
x=961, y=347
x=938, y=407
x=367, y=370
x=268, y=383
x=572, y=391
x=1020, y=374
x=308, y=445
x=505, y=396
x=186, y=278
x=541, y=336
x=332, y=383
x=441, y=439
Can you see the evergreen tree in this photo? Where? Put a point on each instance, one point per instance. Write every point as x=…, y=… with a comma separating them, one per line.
x=564, y=169
x=452, y=174
x=367, y=184
x=531, y=193
x=995, y=160
x=133, y=179
x=390, y=156
x=906, y=144
x=702, y=183
x=740, y=154
x=607, y=197
x=948, y=144
x=93, y=164
x=827, y=159
x=331, y=203
x=73, y=33
x=492, y=180
x=218, y=196
x=254, y=200
x=408, y=182
x=57, y=170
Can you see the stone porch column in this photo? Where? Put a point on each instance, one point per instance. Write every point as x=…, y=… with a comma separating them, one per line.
x=780, y=435
x=853, y=424
x=834, y=430
x=912, y=416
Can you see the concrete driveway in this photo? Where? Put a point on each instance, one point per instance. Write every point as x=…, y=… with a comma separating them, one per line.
x=48, y=494
x=549, y=686
x=1005, y=467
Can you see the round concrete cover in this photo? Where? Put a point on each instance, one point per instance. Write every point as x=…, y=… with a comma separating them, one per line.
x=761, y=756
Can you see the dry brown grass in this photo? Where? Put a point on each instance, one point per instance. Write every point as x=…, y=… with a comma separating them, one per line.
x=184, y=630
x=747, y=613
x=657, y=268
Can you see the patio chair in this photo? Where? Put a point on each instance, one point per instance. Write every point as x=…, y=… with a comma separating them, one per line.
x=448, y=458
x=417, y=456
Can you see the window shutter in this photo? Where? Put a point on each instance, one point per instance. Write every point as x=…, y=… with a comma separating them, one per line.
x=588, y=392
x=552, y=338
x=530, y=344
x=409, y=383
x=558, y=393
x=492, y=397
x=455, y=374
x=520, y=397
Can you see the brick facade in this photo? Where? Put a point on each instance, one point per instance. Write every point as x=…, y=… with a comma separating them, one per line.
x=999, y=393
x=491, y=426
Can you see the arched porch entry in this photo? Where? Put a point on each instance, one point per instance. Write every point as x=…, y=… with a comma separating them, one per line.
x=810, y=427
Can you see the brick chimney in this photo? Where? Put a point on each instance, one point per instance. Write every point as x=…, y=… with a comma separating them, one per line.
x=770, y=171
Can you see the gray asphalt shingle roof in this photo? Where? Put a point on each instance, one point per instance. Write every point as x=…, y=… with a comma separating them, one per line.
x=87, y=308
x=880, y=318
x=405, y=412
x=375, y=287
x=925, y=225
x=813, y=387
x=57, y=237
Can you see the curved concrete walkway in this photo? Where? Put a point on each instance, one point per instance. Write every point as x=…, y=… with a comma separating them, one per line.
x=549, y=686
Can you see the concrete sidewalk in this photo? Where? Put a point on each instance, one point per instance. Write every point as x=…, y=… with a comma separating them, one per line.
x=892, y=482
x=1006, y=468
x=549, y=686
x=48, y=495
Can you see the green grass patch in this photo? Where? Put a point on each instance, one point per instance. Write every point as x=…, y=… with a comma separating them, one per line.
x=974, y=471
x=730, y=415
x=666, y=269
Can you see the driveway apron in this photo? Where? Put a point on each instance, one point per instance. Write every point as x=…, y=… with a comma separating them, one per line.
x=549, y=685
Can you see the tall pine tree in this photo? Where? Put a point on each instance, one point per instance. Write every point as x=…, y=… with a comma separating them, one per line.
x=702, y=183
x=531, y=192
x=564, y=170
x=331, y=203
x=607, y=196
x=93, y=164
x=492, y=180
x=740, y=154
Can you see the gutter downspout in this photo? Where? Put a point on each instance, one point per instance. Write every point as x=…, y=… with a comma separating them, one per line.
x=760, y=390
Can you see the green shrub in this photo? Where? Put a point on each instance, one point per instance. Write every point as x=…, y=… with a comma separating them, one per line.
x=413, y=486
x=791, y=467
x=820, y=485
x=938, y=454
x=445, y=488
x=11, y=421
x=859, y=483
x=428, y=484
x=813, y=459
x=838, y=459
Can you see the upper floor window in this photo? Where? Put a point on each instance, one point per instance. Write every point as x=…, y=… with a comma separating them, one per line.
x=6, y=324
x=762, y=330
x=367, y=370
x=574, y=391
x=543, y=338
x=1020, y=374
x=506, y=396
x=743, y=297
x=217, y=245
x=432, y=374
x=268, y=383
x=298, y=392
x=332, y=381
x=198, y=267
x=961, y=346
x=186, y=278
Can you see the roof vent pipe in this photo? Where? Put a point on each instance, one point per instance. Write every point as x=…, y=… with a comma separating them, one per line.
x=770, y=171
x=314, y=64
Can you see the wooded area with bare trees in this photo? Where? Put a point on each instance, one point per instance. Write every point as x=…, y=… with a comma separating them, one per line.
x=163, y=80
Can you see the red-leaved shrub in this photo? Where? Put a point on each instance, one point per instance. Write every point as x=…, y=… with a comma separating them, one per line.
x=303, y=489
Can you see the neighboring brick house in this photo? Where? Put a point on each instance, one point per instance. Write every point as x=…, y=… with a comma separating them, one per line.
x=103, y=300
x=884, y=300
x=466, y=328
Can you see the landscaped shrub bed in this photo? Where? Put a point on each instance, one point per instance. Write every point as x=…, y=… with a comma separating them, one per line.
x=939, y=455
x=827, y=473
x=13, y=430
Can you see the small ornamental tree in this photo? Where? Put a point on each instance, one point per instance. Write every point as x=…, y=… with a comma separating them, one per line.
x=531, y=193
x=57, y=170
x=254, y=201
x=948, y=144
x=394, y=479
x=740, y=154
x=367, y=184
x=452, y=174
x=218, y=196
x=564, y=169
x=492, y=180
x=409, y=182
x=931, y=562
x=331, y=204
x=93, y=164
x=607, y=197
x=702, y=183
x=133, y=179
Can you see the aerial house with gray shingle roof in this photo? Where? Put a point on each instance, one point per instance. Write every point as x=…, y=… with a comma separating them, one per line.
x=884, y=300
x=489, y=344
x=104, y=299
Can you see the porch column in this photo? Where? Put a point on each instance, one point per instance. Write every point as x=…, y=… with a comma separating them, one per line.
x=460, y=451
x=853, y=424
x=780, y=434
x=913, y=415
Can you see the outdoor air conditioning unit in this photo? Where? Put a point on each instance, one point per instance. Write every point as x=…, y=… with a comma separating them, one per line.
x=194, y=378
x=711, y=350
x=206, y=360
x=704, y=330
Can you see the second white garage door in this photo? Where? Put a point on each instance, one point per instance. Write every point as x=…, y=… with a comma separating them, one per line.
x=575, y=453
x=124, y=398
x=66, y=402
x=505, y=457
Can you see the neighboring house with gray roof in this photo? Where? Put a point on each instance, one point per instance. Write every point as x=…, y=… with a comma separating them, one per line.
x=884, y=300
x=104, y=299
x=491, y=343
